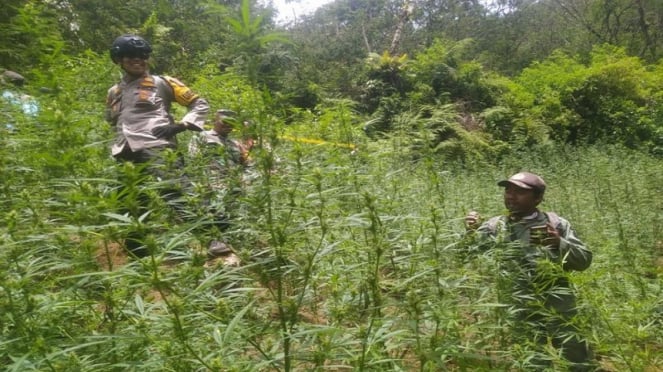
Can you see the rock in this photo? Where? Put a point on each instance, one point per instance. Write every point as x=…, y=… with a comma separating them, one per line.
x=13, y=77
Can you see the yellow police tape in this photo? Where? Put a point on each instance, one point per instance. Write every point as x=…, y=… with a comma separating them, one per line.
x=317, y=142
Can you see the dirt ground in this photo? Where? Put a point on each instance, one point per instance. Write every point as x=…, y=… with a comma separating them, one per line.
x=110, y=255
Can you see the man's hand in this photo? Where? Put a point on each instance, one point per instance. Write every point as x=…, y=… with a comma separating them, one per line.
x=553, y=240
x=472, y=220
x=545, y=235
x=168, y=131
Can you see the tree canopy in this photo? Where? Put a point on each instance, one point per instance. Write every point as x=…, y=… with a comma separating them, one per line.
x=389, y=57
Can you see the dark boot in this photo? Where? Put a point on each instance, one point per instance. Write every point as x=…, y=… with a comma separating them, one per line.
x=218, y=248
x=134, y=246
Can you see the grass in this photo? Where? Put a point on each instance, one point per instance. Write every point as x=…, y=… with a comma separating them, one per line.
x=351, y=261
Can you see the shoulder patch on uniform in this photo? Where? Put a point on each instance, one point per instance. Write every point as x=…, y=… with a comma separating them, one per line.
x=173, y=80
x=183, y=95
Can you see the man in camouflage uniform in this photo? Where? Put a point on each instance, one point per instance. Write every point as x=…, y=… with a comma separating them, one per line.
x=225, y=160
x=225, y=153
x=536, y=250
x=138, y=107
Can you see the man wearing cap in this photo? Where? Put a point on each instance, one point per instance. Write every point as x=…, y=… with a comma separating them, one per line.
x=218, y=139
x=537, y=249
x=224, y=159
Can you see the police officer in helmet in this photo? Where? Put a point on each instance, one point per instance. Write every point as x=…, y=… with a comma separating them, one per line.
x=138, y=108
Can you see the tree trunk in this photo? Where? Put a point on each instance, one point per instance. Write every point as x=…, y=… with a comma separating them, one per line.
x=402, y=20
x=644, y=28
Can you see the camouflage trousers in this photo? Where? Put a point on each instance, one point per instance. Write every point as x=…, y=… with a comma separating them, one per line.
x=550, y=316
x=164, y=167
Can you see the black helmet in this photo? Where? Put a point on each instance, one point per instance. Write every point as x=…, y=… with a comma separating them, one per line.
x=129, y=46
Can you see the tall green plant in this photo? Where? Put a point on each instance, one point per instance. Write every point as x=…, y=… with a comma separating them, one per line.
x=251, y=39
x=31, y=36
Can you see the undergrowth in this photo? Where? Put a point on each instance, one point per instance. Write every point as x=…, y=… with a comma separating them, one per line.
x=350, y=258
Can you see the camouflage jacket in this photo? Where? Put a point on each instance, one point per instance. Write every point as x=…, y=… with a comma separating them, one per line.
x=536, y=270
x=221, y=151
x=572, y=252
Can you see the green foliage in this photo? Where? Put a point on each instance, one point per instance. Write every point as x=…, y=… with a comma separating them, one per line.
x=554, y=74
x=437, y=75
x=30, y=37
x=655, y=109
x=474, y=88
x=448, y=68
x=250, y=39
x=388, y=108
x=439, y=130
x=94, y=24
x=335, y=123
x=607, y=100
x=499, y=121
x=344, y=264
x=384, y=81
x=230, y=91
x=353, y=251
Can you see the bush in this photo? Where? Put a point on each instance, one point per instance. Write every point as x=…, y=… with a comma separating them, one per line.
x=612, y=99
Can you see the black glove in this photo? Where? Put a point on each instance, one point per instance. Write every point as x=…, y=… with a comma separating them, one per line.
x=168, y=131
